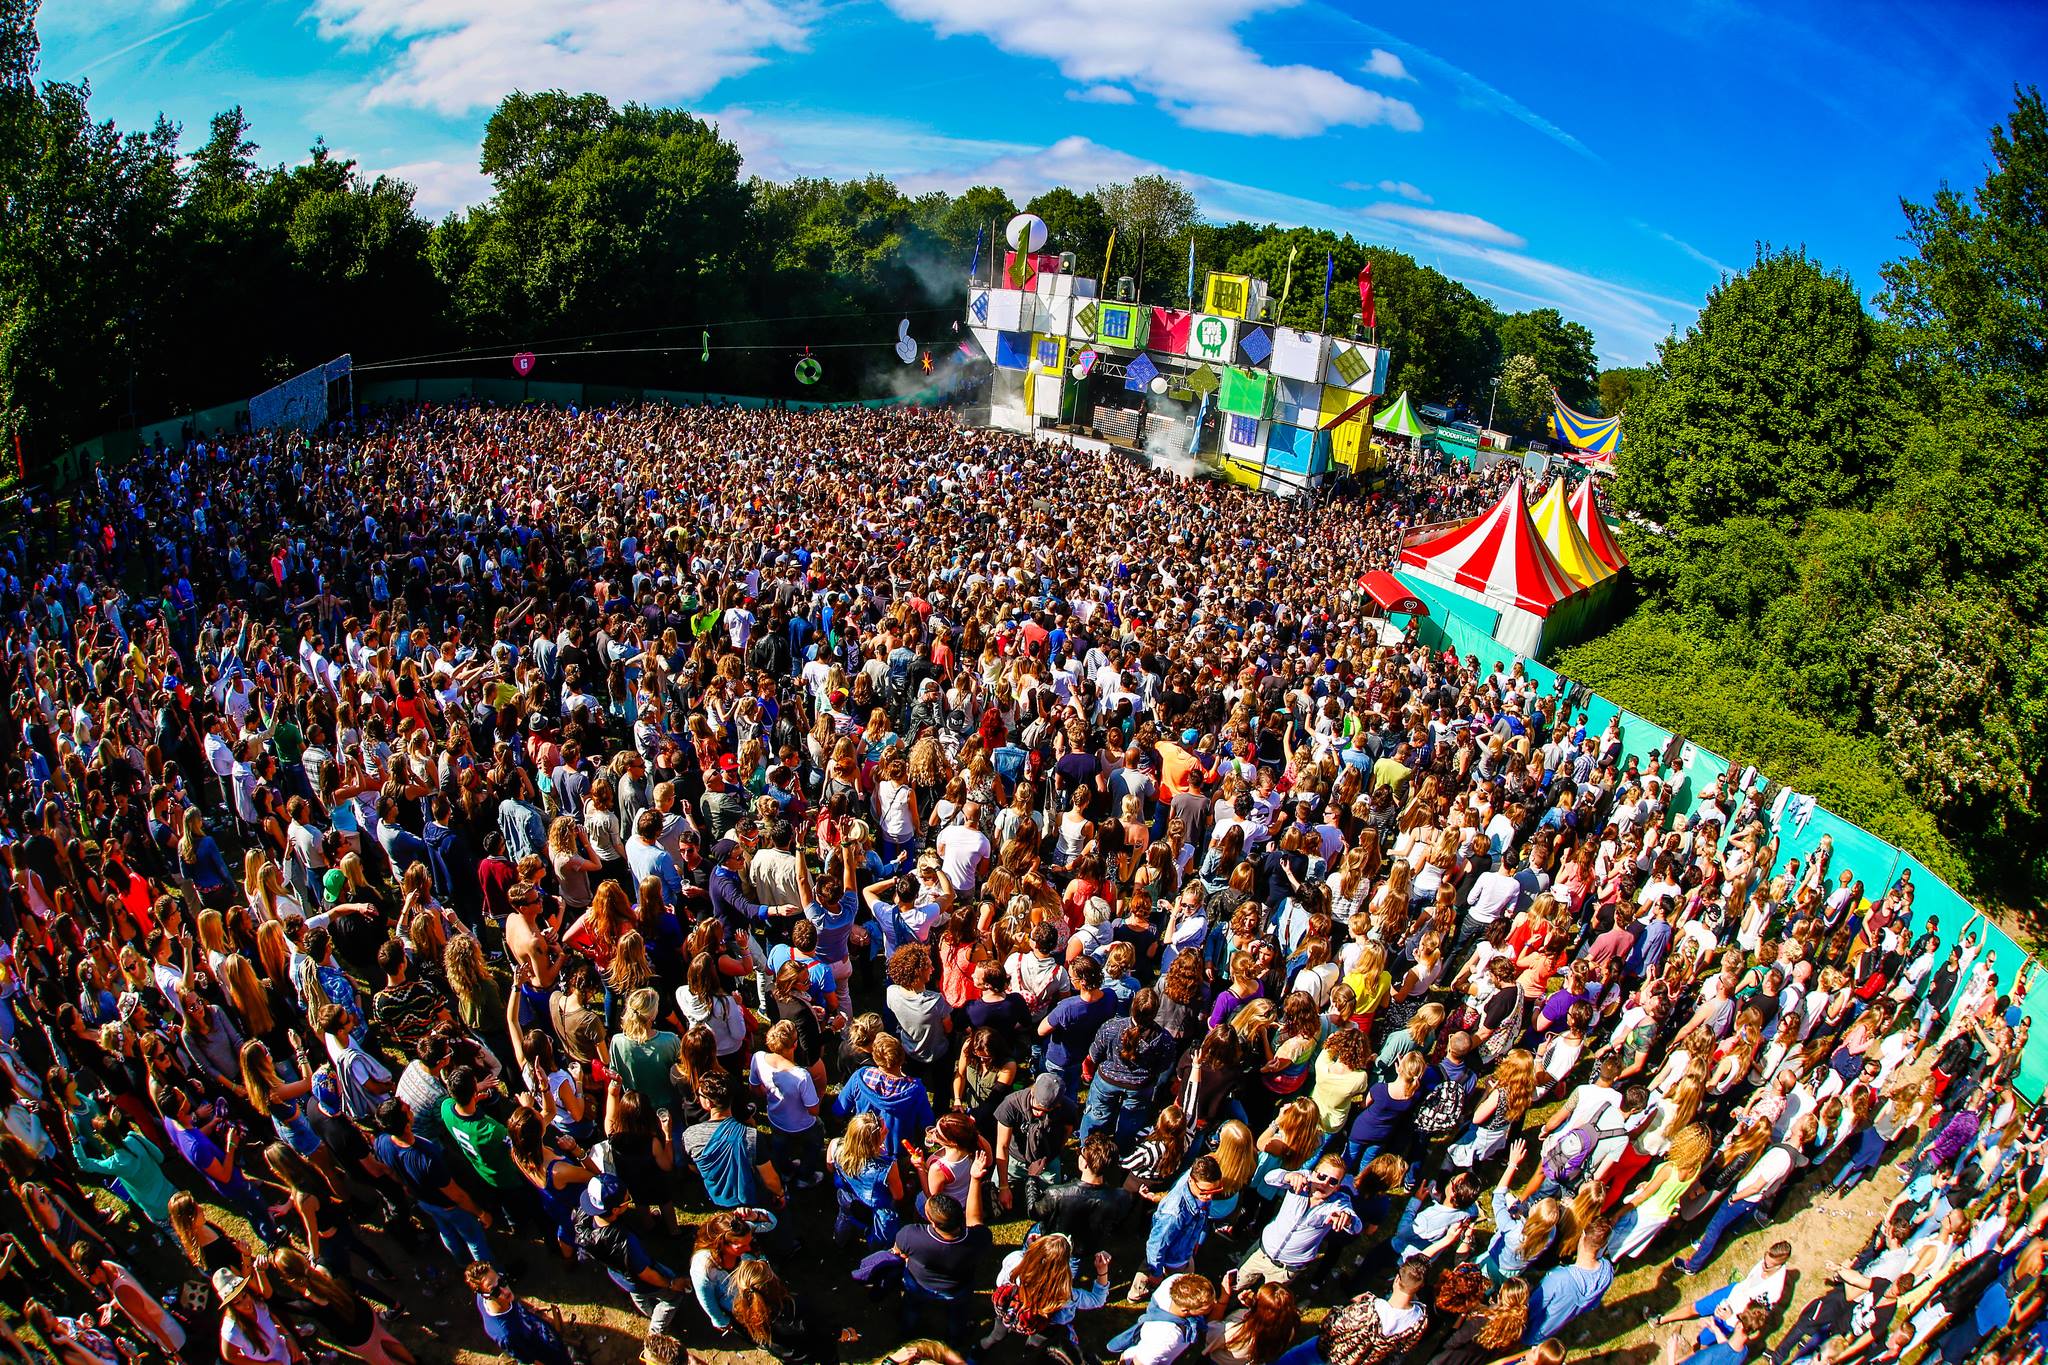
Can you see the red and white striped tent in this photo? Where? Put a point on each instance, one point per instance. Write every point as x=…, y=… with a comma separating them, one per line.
x=1586, y=512
x=1498, y=557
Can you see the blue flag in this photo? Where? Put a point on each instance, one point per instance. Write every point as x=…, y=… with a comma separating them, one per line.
x=975, y=264
x=1191, y=269
x=1201, y=415
x=1329, y=278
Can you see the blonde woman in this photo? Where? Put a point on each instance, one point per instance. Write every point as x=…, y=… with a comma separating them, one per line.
x=1499, y=1112
x=1655, y=1202
x=1287, y=1144
x=868, y=1182
x=642, y=1053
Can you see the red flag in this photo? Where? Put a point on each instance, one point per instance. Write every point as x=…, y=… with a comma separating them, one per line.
x=1365, y=309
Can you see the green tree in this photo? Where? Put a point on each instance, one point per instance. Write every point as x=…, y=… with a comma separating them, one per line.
x=982, y=211
x=1073, y=222
x=1622, y=385
x=1778, y=400
x=1562, y=350
x=1152, y=216
x=604, y=219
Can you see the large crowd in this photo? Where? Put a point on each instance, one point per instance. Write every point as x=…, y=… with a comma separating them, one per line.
x=748, y=857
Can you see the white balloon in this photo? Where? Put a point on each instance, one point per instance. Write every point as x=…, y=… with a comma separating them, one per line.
x=1158, y=384
x=1080, y=371
x=1026, y=232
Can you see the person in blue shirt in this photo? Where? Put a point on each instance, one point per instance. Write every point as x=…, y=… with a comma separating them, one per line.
x=1730, y=1345
x=1571, y=1290
x=513, y=1326
x=1179, y=1224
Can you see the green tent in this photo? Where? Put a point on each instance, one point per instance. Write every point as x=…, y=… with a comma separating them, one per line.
x=1400, y=420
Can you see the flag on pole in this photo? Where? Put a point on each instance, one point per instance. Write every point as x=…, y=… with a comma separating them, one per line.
x=1191, y=268
x=1329, y=278
x=974, y=265
x=1365, y=306
x=1201, y=415
x=1287, y=285
x=1107, y=257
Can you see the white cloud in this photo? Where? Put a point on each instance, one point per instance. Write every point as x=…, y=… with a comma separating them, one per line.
x=1470, y=87
x=442, y=187
x=1103, y=94
x=1405, y=190
x=1183, y=53
x=455, y=56
x=1468, y=225
x=1386, y=64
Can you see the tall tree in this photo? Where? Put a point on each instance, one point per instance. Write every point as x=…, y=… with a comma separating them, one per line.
x=1153, y=217
x=1562, y=350
x=1778, y=400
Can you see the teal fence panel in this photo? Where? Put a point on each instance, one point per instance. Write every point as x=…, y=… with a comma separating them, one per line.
x=1702, y=770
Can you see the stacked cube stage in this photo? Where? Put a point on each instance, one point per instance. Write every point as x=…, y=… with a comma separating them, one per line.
x=1287, y=407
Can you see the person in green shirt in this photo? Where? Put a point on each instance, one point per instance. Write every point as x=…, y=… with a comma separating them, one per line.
x=138, y=1165
x=482, y=1138
x=642, y=1054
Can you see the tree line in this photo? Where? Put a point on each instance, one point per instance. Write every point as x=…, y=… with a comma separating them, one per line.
x=140, y=278
x=1843, y=544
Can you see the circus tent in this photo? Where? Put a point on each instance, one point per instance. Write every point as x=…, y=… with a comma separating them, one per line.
x=1554, y=522
x=1498, y=556
x=1594, y=435
x=1593, y=526
x=1400, y=419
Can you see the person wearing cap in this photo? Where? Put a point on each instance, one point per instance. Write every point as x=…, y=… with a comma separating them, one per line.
x=1032, y=1128
x=657, y=1294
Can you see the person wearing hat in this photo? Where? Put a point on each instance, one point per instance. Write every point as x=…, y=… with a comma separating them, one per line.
x=601, y=1235
x=249, y=1333
x=1032, y=1128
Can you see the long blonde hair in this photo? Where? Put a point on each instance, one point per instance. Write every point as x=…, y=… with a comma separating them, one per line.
x=860, y=1146
x=642, y=1008
x=1515, y=1082
x=757, y=1296
x=468, y=976
x=1235, y=1155
x=259, y=1075
x=1539, y=1226
x=246, y=994
x=1508, y=1318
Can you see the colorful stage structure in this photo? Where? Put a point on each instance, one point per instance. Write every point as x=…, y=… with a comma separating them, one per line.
x=1266, y=406
x=1532, y=580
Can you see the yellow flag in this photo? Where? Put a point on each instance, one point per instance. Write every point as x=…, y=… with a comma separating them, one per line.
x=1108, y=257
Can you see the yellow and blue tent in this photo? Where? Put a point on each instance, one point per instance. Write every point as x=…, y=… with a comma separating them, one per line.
x=1594, y=435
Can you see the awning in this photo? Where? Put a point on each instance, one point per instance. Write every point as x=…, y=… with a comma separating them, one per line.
x=1391, y=594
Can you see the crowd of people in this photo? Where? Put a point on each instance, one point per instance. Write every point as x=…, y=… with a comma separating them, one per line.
x=747, y=857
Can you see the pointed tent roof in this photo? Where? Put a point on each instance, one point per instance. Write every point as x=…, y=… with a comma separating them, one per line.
x=1553, y=518
x=1497, y=555
x=1594, y=435
x=1400, y=419
x=1586, y=512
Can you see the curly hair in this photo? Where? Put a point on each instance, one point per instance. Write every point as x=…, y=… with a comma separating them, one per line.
x=910, y=966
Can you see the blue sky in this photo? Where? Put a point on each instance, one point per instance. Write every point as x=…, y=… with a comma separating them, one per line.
x=1607, y=159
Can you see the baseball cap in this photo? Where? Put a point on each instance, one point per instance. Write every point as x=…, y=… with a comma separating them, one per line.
x=722, y=850
x=603, y=1196
x=1045, y=1091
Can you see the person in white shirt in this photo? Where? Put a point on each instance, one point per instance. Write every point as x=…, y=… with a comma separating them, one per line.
x=964, y=850
x=1764, y=1286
